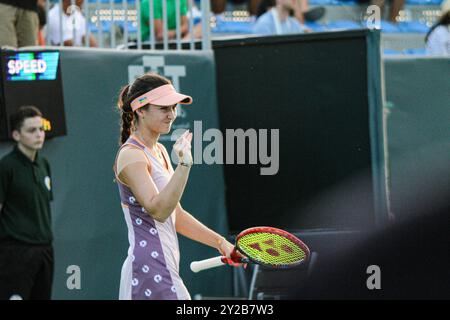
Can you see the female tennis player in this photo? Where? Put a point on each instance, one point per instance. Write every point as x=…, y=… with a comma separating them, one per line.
x=150, y=192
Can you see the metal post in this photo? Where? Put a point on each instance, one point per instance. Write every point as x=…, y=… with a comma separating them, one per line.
x=151, y=25
x=74, y=21
x=178, y=23
x=164, y=20
x=47, y=35
x=113, y=26
x=138, y=18
x=191, y=25
x=61, y=41
x=100, y=26
x=88, y=30
x=253, y=282
x=125, y=23
x=206, y=39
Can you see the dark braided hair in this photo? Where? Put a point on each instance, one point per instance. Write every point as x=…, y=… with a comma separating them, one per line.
x=141, y=85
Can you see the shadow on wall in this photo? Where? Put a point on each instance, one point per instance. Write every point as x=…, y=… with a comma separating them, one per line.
x=412, y=254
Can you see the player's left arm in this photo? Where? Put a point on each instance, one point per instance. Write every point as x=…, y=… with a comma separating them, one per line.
x=191, y=228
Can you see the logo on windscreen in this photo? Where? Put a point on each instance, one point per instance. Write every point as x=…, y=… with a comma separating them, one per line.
x=29, y=66
x=26, y=66
x=46, y=124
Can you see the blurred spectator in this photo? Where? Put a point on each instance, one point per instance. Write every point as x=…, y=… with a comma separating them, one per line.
x=18, y=23
x=438, y=38
x=394, y=7
x=264, y=6
x=259, y=7
x=73, y=24
x=171, y=20
x=219, y=6
x=304, y=14
x=278, y=20
x=253, y=6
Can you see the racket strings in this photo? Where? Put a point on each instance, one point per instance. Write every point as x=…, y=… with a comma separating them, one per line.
x=271, y=249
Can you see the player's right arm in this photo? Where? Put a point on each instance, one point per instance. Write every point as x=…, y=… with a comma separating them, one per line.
x=136, y=174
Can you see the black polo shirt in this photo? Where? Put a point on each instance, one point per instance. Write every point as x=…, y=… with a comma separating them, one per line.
x=23, y=4
x=25, y=192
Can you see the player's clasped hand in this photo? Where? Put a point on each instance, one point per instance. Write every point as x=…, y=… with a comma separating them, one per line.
x=182, y=148
x=232, y=256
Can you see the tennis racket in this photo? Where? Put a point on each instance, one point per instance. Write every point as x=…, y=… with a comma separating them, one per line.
x=267, y=246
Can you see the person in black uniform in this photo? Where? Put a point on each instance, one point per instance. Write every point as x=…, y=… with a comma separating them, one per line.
x=26, y=252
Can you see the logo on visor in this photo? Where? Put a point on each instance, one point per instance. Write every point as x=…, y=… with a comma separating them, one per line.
x=140, y=100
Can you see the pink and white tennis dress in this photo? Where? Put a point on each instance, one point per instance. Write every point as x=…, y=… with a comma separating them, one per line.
x=151, y=269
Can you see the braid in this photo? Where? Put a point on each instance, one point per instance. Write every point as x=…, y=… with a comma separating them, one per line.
x=127, y=121
x=127, y=115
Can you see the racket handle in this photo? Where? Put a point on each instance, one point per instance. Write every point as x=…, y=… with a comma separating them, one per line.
x=197, y=266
